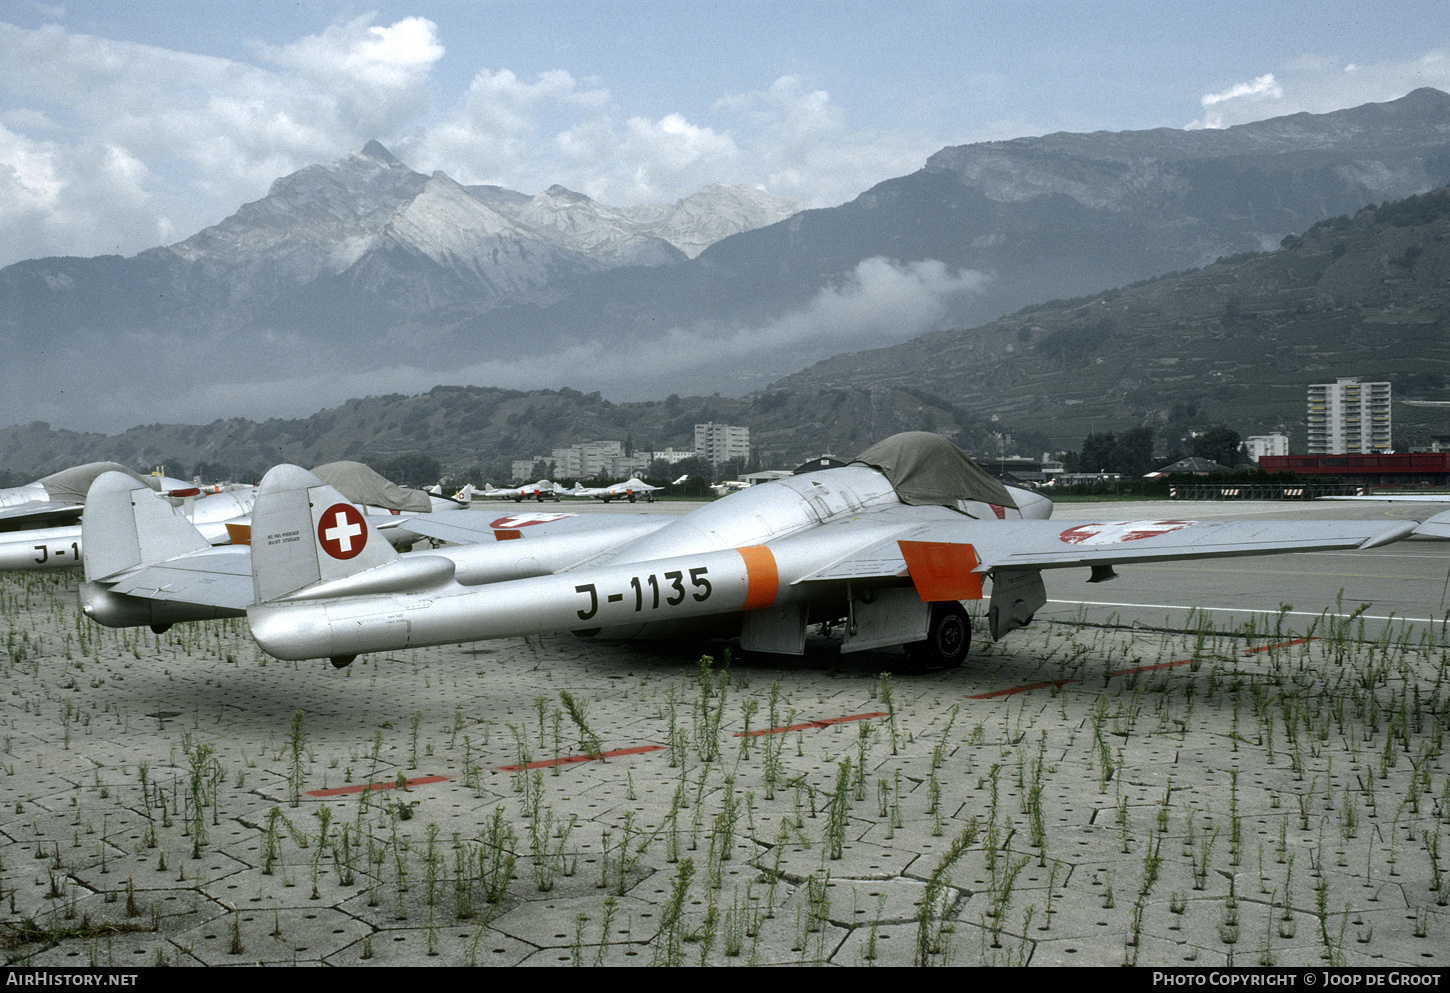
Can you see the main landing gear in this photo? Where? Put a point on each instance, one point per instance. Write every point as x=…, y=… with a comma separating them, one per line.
x=949, y=637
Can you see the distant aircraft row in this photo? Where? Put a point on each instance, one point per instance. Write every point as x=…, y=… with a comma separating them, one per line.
x=883, y=552
x=631, y=489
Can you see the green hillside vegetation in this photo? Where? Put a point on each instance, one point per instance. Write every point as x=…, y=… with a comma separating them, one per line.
x=1237, y=341
x=476, y=432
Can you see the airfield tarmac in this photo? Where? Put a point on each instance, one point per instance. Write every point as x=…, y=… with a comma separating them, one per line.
x=1159, y=771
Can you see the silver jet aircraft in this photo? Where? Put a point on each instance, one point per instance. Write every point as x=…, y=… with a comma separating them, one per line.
x=631, y=489
x=888, y=546
x=60, y=497
x=540, y=491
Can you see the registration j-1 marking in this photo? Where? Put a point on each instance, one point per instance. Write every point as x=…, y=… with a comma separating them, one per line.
x=673, y=585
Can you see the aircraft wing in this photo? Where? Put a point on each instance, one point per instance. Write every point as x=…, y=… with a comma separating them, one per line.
x=1436, y=527
x=473, y=526
x=968, y=546
x=39, y=514
x=1394, y=498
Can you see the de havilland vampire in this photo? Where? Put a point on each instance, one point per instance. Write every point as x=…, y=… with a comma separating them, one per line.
x=36, y=520
x=887, y=547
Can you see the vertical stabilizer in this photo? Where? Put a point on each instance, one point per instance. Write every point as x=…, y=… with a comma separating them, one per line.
x=305, y=532
x=128, y=525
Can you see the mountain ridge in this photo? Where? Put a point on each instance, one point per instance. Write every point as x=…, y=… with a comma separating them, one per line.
x=325, y=291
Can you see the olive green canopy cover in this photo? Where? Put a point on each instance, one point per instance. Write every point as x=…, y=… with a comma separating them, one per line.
x=361, y=484
x=928, y=470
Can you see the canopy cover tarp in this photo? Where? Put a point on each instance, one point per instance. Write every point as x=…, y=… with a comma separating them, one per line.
x=72, y=485
x=360, y=484
x=927, y=470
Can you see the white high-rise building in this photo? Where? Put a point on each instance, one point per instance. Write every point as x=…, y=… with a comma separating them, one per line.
x=1259, y=445
x=718, y=443
x=1348, y=417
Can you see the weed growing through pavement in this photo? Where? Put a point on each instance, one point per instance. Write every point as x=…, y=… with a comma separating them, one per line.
x=1344, y=735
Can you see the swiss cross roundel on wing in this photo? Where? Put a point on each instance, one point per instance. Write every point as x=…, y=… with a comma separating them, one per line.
x=524, y=520
x=1104, y=534
x=342, y=531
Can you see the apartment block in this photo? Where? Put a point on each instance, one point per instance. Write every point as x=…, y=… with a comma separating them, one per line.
x=718, y=443
x=1259, y=445
x=1348, y=417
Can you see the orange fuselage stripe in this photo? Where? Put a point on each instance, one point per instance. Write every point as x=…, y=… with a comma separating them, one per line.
x=762, y=577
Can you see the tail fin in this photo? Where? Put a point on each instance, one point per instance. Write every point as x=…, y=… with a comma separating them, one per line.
x=127, y=524
x=306, y=533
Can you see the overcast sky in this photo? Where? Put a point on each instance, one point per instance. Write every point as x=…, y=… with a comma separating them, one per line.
x=129, y=125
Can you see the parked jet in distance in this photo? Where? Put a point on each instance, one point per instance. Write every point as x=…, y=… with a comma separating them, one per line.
x=540, y=491
x=631, y=489
x=888, y=547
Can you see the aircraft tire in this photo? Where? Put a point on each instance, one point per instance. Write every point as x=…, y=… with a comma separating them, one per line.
x=949, y=638
x=631, y=498
x=341, y=661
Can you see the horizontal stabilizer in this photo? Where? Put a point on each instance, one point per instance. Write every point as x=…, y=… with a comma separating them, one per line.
x=218, y=577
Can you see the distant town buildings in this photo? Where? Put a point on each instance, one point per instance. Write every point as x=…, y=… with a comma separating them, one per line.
x=593, y=460
x=716, y=443
x=1259, y=445
x=1348, y=417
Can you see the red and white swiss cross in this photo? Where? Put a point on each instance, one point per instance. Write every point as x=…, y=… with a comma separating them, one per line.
x=342, y=531
x=524, y=520
x=1105, y=534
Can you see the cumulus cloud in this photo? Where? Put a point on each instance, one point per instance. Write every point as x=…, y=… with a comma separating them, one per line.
x=136, y=133
x=115, y=146
x=799, y=143
x=1262, y=88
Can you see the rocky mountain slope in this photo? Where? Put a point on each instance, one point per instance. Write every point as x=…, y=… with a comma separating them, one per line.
x=358, y=275
x=1238, y=341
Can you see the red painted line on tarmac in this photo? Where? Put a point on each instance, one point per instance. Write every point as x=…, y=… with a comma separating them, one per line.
x=1022, y=689
x=1151, y=668
x=823, y=723
x=344, y=790
x=571, y=759
x=1282, y=644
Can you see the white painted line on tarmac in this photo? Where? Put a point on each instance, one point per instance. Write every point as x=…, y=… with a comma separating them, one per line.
x=1250, y=610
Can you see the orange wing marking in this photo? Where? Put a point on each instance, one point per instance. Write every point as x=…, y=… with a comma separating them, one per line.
x=942, y=570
